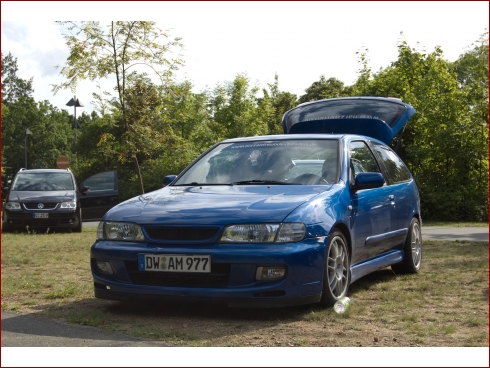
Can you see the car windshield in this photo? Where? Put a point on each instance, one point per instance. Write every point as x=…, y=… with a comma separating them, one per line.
x=298, y=161
x=40, y=181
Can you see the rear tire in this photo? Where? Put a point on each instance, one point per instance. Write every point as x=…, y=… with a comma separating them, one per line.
x=336, y=273
x=412, y=250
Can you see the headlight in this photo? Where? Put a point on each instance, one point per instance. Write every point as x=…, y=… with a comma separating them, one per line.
x=264, y=233
x=12, y=206
x=119, y=231
x=69, y=205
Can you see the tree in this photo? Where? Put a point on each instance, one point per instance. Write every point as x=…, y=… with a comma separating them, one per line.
x=444, y=142
x=234, y=110
x=19, y=112
x=13, y=87
x=324, y=88
x=120, y=51
x=280, y=102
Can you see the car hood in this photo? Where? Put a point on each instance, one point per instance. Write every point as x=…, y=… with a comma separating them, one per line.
x=214, y=205
x=376, y=117
x=41, y=196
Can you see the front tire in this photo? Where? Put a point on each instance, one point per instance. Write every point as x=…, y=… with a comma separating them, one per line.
x=412, y=250
x=336, y=274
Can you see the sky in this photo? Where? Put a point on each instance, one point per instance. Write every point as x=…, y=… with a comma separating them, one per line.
x=298, y=41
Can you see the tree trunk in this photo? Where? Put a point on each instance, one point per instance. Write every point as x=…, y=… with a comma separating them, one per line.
x=138, y=173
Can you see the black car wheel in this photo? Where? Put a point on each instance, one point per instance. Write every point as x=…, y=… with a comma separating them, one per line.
x=412, y=249
x=336, y=275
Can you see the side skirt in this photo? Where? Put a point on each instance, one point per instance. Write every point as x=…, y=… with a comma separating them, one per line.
x=361, y=269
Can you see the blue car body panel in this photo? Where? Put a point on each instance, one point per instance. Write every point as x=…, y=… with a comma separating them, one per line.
x=374, y=221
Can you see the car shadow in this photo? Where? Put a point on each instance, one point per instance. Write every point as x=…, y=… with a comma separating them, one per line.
x=373, y=279
x=197, y=321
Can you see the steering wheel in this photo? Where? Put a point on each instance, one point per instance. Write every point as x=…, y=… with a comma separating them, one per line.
x=309, y=179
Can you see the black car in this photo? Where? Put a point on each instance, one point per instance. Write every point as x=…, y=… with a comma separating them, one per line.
x=49, y=198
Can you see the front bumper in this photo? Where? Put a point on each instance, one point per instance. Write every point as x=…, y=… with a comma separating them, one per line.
x=232, y=279
x=22, y=219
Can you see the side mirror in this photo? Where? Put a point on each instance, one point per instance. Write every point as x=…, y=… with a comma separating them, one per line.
x=84, y=189
x=369, y=180
x=168, y=179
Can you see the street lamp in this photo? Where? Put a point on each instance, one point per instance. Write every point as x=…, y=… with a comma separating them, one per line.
x=28, y=132
x=75, y=103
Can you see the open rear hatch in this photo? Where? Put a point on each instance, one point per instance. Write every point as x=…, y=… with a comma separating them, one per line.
x=377, y=117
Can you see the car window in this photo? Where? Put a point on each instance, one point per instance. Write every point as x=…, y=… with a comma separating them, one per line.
x=104, y=181
x=281, y=161
x=361, y=159
x=396, y=170
x=41, y=181
x=305, y=167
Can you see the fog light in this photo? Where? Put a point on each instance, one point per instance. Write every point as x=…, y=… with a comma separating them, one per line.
x=270, y=273
x=104, y=267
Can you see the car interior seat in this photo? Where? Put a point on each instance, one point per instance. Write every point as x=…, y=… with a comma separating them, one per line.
x=329, y=170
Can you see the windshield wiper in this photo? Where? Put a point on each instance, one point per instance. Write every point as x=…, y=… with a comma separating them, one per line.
x=256, y=181
x=195, y=183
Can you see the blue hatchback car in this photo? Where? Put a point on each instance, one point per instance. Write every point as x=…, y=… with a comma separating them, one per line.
x=238, y=226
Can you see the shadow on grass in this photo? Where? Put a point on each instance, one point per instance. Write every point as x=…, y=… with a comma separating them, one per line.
x=186, y=321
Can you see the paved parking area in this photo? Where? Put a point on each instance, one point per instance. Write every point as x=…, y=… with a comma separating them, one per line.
x=478, y=234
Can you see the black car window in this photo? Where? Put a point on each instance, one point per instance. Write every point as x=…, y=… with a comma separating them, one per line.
x=361, y=159
x=101, y=182
x=396, y=170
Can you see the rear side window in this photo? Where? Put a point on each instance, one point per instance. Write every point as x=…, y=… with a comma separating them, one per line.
x=396, y=170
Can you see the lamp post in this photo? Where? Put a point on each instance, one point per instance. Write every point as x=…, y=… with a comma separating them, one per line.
x=75, y=102
x=28, y=132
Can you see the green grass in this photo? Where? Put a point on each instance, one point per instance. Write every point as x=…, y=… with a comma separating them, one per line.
x=454, y=224
x=446, y=304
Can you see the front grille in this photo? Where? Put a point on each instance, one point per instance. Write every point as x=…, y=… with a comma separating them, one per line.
x=181, y=233
x=217, y=278
x=46, y=206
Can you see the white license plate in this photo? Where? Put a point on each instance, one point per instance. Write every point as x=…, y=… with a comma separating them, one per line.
x=174, y=263
x=40, y=215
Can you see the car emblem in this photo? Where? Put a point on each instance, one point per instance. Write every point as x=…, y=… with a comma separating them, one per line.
x=40, y=206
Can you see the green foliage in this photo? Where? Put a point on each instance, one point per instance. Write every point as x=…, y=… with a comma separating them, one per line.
x=234, y=110
x=13, y=87
x=51, y=129
x=148, y=130
x=279, y=102
x=446, y=142
x=325, y=88
x=126, y=50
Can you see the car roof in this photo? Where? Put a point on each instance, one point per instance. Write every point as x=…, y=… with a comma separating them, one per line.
x=280, y=137
x=22, y=171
